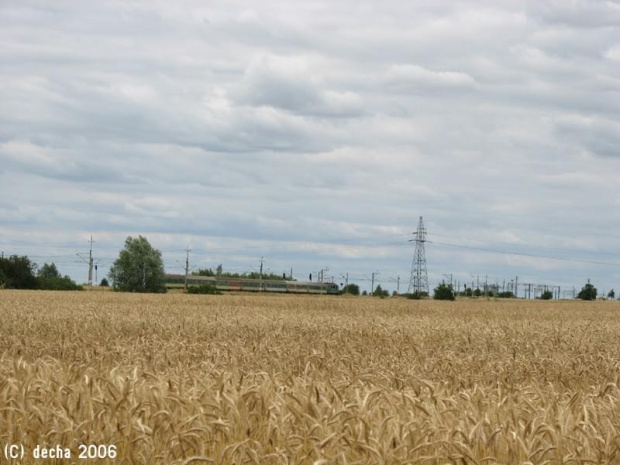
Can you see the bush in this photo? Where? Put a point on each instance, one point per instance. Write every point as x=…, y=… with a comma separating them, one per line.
x=203, y=289
x=417, y=295
x=443, y=292
x=588, y=292
x=49, y=278
x=58, y=283
x=546, y=295
x=506, y=295
x=379, y=292
x=353, y=289
x=104, y=283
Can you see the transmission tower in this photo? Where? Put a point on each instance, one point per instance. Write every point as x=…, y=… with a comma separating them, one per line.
x=418, y=282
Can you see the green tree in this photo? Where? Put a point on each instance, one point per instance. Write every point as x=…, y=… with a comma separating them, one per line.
x=588, y=292
x=379, y=292
x=104, y=283
x=546, y=295
x=353, y=289
x=19, y=272
x=49, y=278
x=443, y=292
x=139, y=268
x=49, y=271
x=611, y=295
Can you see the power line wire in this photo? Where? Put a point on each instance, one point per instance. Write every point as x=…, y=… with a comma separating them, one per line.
x=523, y=254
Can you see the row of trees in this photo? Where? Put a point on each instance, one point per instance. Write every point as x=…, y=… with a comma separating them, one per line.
x=139, y=268
x=21, y=273
x=219, y=271
x=446, y=292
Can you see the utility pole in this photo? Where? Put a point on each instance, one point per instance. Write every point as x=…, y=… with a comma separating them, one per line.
x=418, y=281
x=90, y=263
x=372, y=286
x=517, y=287
x=187, y=251
x=260, y=280
x=346, y=280
x=322, y=274
x=398, y=284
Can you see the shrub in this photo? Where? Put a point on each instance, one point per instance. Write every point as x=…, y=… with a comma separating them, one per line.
x=546, y=295
x=506, y=295
x=203, y=289
x=353, y=289
x=379, y=292
x=443, y=292
x=417, y=295
x=588, y=292
x=58, y=284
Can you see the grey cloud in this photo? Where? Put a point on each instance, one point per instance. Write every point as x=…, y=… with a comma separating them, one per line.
x=309, y=123
x=596, y=135
x=579, y=13
x=414, y=78
x=294, y=85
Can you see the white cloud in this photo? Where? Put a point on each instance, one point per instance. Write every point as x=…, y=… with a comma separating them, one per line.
x=416, y=78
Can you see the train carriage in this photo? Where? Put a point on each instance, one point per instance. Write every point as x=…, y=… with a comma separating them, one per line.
x=177, y=281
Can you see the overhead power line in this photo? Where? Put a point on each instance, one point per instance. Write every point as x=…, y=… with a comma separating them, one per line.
x=529, y=245
x=523, y=254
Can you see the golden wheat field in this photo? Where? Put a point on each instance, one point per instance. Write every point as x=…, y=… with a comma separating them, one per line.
x=264, y=379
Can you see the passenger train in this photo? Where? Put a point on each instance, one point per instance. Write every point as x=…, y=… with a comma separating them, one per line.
x=177, y=281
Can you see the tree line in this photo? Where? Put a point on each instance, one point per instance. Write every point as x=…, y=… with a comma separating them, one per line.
x=19, y=272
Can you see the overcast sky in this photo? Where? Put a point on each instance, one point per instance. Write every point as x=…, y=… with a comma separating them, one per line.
x=315, y=134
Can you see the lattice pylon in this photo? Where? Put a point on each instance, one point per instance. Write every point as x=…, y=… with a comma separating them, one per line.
x=418, y=282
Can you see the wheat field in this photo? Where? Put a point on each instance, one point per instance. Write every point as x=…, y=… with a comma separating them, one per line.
x=270, y=379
